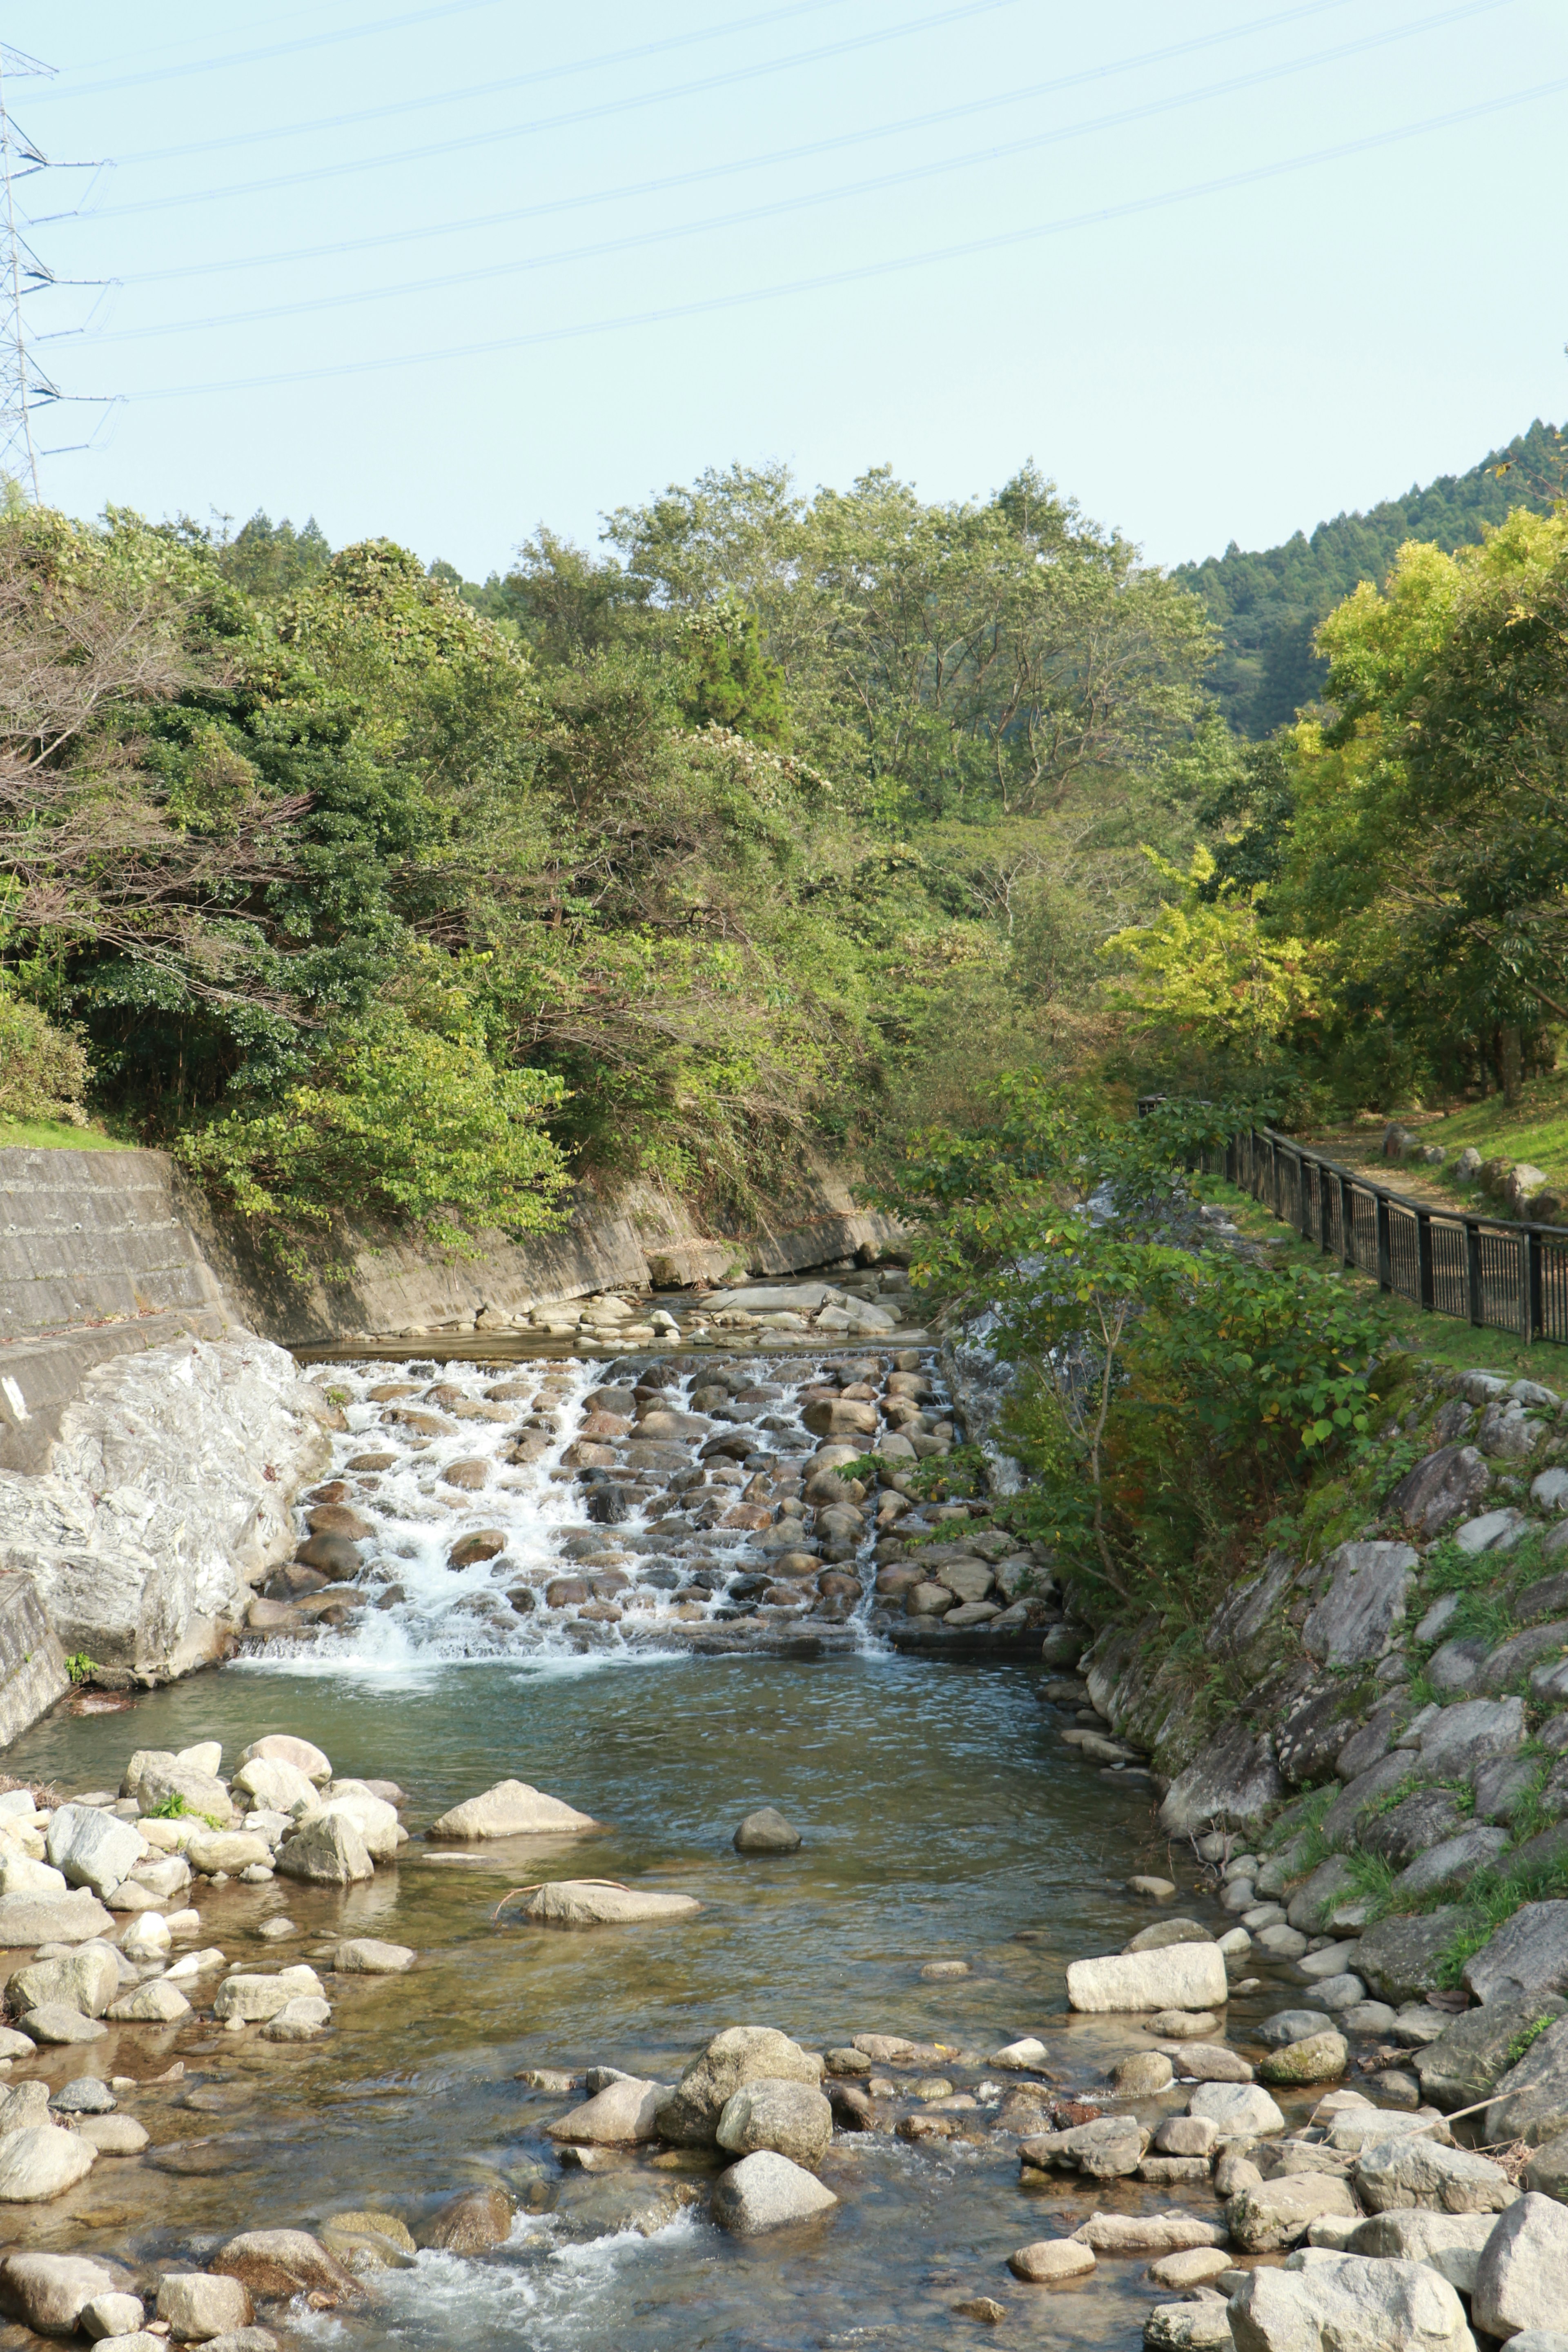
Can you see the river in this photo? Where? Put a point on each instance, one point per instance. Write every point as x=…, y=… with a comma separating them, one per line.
x=943, y=1820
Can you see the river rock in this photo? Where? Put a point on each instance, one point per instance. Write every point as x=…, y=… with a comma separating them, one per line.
x=1202, y=2325
x=1460, y=1739
x=41, y=2162
x=50, y=2292
x=793, y=2119
x=512, y=1809
x=624, y=2112
x=1236, y=2108
x=1110, y=2147
x=1402, y=1959
x=1450, y=2243
x=1146, y=2233
x=277, y=1785
x=1313, y=1907
x=374, y=1820
x=53, y=2022
x=367, y=1956
x=688, y=2115
x=1233, y=1782
x=1528, y=1955
x=766, y=2191
x=1143, y=2075
x=153, y=1776
x=1181, y=1976
x=113, y=2134
x=279, y=2264
x=87, y=1980
x=1289, y=2025
x=254, y=1998
x=1356, y=1620
x=111, y=2313
x=1318, y=2058
x=766, y=1831
x=1273, y=2213
x=1530, y=2101
x=1521, y=2278
x=1048, y=2260
x=91, y=1848
x=198, y=2305
x=1416, y=2169
x=282, y=1748
x=230, y=1851
x=1193, y=2266
x=1019, y=2057
x=20, y=1875
x=1339, y=2302
x=326, y=1850
x=1186, y=2136
x=299, y=2020
x=471, y=2223
x=157, y=2002
x=588, y=1903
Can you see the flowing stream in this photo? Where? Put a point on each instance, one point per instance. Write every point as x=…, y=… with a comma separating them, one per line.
x=942, y=1820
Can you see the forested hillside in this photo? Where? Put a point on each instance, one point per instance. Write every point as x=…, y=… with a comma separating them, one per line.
x=1268, y=604
x=777, y=823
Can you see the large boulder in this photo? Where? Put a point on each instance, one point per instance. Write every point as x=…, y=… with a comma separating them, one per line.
x=1521, y=2278
x=50, y=2292
x=512, y=1809
x=34, y=1919
x=283, y=1747
x=1445, y=1486
x=201, y=2305
x=153, y=1776
x=86, y=1979
x=168, y=1497
x=279, y=2264
x=590, y=1903
x=253, y=1999
x=469, y=2224
x=1416, y=2169
x=157, y=2002
x=374, y=1820
x=766, y=2191
x=1530, y=2101
x=1236, y=2109
x=1181, y=1976
x=275, y=1784
x=766, y=1831
x=741, y=2054
x=1529, y=1954
x=90, y=1848
x=1232, y=1782
x=230, y=1851
x=794, y=2119
x=1470, y=2057
x=1339, y=2302
x=625, y=2111
x=1269, y=2214
x=1108, y=2147
x=1364, y=1609
x=1461, y=1738
x=1450, y=2243
x=326, y=1850
x=1403, y=1959
x=1448, y=1867
x=1320, y=2057
x=40, y=2162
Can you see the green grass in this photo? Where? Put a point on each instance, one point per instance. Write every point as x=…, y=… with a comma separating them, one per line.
x=54, y=1135
x=1536, y=1129
x=1441, y=1339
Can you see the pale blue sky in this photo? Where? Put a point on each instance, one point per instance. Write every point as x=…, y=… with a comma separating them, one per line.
x=1194, y=368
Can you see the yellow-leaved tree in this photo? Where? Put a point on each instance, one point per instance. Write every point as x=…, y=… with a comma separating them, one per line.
x=1206, y=969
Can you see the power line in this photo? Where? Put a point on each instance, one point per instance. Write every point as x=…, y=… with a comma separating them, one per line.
x=472, y=139
x=484, y=89
x=628, y=190
x=932, y=256
x=527, y=264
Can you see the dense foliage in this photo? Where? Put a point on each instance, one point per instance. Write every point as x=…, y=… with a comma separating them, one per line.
x=367, y=892
x=1268, y=604
x=1170, y=1393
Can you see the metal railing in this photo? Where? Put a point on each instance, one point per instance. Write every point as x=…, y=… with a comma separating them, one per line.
x=1493, y=1271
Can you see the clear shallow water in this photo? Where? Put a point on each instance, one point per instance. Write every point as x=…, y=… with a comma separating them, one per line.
x=943, y=1820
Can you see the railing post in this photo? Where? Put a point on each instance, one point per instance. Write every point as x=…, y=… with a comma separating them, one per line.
x=1529, y=1316
x=1423, y=1258
x=1384, y=1242
x=1473, y=1271
x=1274, y=1175
x=1323, y=1221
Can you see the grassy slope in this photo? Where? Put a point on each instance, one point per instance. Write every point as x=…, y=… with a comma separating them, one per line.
x=54, y=1135
x=1535, y=1129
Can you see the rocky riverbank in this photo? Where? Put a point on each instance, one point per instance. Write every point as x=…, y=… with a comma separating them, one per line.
x=1238, y=2165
